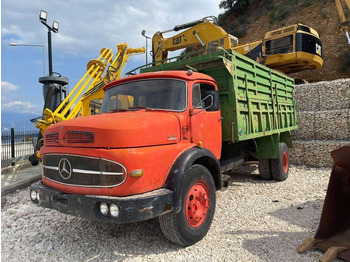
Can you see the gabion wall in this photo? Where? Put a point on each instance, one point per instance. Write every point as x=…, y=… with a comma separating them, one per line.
x=323, y=111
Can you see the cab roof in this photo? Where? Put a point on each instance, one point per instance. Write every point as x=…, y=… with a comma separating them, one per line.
x=184, y=75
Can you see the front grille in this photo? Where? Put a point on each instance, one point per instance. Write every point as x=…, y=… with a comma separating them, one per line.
x=80, y=137
x=83, y=171
x=51, y=138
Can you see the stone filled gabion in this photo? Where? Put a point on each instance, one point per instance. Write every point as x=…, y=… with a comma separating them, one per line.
x=323, y=112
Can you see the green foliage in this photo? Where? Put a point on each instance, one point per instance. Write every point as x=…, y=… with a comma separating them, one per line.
x=237, y=29
x=325, y=12
x=240, y=6
x=237, y=6
x=268, y=4
x=306, y=2
x=283, y=10
x=226, y=4
x=345, y=65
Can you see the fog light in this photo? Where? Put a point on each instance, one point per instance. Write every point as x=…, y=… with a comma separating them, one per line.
x=136, y=173
x=104, y=208
x=114, y=210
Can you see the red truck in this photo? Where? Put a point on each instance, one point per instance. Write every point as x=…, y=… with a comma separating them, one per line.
x=161, y=145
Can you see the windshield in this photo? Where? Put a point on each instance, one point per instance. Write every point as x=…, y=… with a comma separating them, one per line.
x=165, y=94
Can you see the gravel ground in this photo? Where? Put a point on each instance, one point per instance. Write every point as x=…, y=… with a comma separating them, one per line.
x=255, y=220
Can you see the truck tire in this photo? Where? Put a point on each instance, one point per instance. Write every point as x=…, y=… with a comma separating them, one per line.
x=192, y=223
x=264, y=169
x=280, y=166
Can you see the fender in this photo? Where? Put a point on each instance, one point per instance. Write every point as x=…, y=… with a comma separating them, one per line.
x=178, y=171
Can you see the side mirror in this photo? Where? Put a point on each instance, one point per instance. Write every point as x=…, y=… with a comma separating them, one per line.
x=215, y=103
x=211, y=102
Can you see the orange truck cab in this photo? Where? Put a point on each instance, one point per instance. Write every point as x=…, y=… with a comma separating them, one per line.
x=131, y=162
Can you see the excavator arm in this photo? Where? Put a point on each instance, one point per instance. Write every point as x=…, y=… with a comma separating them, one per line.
x=90, y=85
x=202, y=33
x=344, y=23
x=106, y=68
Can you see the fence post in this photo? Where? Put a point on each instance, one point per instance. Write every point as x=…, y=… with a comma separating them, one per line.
x=12, y=145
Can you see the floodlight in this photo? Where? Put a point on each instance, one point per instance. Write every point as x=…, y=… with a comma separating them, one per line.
x=55, y=26
x=43, y=16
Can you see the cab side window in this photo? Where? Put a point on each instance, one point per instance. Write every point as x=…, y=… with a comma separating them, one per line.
x=201, y=91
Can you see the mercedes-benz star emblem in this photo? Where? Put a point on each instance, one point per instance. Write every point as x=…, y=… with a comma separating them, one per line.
x=64, y=168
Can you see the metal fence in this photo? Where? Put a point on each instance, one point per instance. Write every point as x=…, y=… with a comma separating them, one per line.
x=17, y=145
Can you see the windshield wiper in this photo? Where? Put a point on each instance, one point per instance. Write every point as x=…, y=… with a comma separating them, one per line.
x=116, y=110
x=137, y=107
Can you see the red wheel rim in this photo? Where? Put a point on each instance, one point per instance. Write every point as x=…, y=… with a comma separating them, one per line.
x=197, y=204
x=285, y=163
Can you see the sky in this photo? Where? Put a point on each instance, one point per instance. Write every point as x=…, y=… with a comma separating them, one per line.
x=85, y=27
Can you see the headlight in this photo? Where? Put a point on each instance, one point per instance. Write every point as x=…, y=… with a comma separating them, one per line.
x=33, y=195
x=114, y=210
x=104, y=208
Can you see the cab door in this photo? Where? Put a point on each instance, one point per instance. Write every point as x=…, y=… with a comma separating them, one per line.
x=206, y=118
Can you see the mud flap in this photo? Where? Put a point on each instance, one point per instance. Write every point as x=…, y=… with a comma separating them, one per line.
x=333, y=233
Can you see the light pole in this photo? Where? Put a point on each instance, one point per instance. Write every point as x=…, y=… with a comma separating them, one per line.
x=53, y=28
x=143, y=33
x=42, y=46
x=53, y=87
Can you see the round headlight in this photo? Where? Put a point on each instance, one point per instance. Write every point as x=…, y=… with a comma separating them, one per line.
x=33, y=195
x=114, y=210
x=104, y=208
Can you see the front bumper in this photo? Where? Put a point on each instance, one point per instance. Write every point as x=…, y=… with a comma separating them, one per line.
x=131, y=208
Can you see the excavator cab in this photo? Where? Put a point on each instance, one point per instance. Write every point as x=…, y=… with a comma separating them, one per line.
x=289, y=49
x=292, y=49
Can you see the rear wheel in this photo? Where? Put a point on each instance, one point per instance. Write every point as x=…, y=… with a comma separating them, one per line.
x=280, y=166
x=264, y=169
x=193, y=221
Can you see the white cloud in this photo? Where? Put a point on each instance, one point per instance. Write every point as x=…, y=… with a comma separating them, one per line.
x=8, y=87
x=20, y=107
x=86, y=28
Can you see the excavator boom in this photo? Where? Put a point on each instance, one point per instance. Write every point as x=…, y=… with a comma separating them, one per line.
x=202, y=33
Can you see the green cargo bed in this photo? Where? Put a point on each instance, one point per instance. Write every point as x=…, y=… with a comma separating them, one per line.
x=256, y=101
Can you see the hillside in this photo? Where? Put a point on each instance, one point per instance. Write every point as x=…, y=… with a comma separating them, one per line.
x=262, y=16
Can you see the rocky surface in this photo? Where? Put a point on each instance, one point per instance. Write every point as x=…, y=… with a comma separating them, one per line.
x=255, y=220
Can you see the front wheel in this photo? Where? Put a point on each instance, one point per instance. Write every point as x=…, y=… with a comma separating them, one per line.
x=193, y=221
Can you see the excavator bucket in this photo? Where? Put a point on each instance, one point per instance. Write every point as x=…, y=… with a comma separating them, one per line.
x=333, y=233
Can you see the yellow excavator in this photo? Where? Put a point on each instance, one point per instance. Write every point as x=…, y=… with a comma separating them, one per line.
x=86, y=97
x=289, y=49
x=344, y=22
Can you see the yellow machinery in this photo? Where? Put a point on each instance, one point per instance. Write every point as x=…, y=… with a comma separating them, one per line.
x=289, y=49
x=89, y=90
x=345, y=23
x=86, y=96
x=203, y=33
